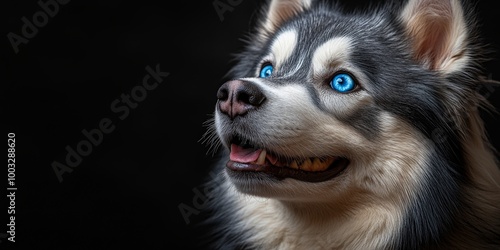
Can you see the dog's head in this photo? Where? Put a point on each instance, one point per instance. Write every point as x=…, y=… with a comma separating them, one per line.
x=325, y=103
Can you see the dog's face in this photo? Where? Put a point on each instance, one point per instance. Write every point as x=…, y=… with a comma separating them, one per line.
x=331, y=105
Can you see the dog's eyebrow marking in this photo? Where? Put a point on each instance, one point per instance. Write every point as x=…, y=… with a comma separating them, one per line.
x=283, y=46
x=335, y=50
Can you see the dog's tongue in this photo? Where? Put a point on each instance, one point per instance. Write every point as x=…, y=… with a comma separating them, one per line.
x=244, y=155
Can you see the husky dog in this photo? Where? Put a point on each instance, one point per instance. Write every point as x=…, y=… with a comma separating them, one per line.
x=345, y=129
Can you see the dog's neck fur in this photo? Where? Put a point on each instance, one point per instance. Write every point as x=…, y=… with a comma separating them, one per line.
x=292, y=225
x=285, y=225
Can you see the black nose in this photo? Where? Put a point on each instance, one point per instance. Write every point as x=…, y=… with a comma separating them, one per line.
x=237, y=97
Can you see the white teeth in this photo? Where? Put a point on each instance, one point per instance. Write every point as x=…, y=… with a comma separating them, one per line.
x=262, y=158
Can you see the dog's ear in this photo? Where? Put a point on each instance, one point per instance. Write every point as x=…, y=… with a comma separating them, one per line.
x=279, y=11
x=438, y=33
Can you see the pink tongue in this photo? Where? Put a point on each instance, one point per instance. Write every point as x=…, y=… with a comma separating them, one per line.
x=244, y=155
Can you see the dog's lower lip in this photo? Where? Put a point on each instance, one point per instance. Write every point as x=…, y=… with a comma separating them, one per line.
x=284, y=172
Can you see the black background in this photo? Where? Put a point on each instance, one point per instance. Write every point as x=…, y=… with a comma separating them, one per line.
x=127, y=191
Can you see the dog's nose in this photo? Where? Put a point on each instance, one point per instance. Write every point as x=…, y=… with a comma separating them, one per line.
x=237, y=97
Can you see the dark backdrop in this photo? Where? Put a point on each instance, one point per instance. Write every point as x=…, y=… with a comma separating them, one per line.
x=71, y=76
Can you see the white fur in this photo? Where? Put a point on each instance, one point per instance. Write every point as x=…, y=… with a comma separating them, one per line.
x=283, y=46
x=330, y=54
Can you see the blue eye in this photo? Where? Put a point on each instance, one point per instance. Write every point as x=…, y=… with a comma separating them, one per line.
x=343, y=83
x=266, y=71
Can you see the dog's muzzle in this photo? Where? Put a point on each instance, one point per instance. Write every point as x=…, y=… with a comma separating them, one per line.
x=250, y=159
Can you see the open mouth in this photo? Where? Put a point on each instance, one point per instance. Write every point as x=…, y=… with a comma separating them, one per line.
x=246, y=159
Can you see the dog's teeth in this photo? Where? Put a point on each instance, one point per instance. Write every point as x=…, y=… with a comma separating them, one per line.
x=319, y=165
x=271, y=159
x=262, y=158
x=327, y=163
x=300, y=162
x=306, y=165
x=311, y=164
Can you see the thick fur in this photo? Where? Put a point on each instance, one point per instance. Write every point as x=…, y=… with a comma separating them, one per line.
x=421, y=174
